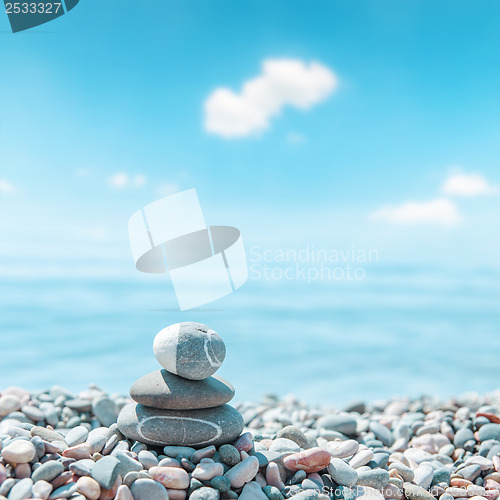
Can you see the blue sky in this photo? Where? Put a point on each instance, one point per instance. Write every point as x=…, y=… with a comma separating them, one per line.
x=102, y=112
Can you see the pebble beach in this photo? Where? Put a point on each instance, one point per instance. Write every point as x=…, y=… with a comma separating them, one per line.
x=55, y=444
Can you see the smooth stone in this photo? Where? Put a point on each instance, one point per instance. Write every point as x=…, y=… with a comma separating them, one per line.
x=342, y=449
x=462, y=436
x=19, y=452
x=344, y=423
x=123, y=493
x=48, y=471
x=105, y=471
x=414, y=492
x=8, y=404
x=272, y=493
x=97, y=439
x=243, y=472
x=148, y=489
x=229, y=455
x=105, y=410
x=82, y=467
x=342, y=473
x=89, y=487
x=296, y=435
x=47, y=434
x=206, y=471
x=65, y=491
x=33, y=413
x=191, y=350
x=180, y=427
x=423, y=476
x=147, y=459
x=171, y=477
x=244, y=442
x=375, y=478
x=252, y=491
x=221, y=483
x=42, y=489
x=204, y=493
x=311, y=460
x=207, y=452
x=175, y=451
x=382, y=433
x=161, y=389
x=405, y=472
x=362, y=457
x=471, y=472
x=21, y=490
x=489, y=431
x=127, y=464
x=77, y=435
x=282, y=444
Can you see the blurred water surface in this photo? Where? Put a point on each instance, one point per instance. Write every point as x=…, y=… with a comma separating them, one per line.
x=404, y=331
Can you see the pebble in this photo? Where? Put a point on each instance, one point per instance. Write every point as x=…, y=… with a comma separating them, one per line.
x=191, y=350
x=342, y=449
x=252, y=491
x=123, y=493
x=77, y=435
x=414, y=492
x=147, y=489
x=342, y=473
x=294, y=434
x=382, y=433
x=147, y=459
x=344, y=423
x=283, y=445
x=489, y=431
x=206, y=471
x=205, y=493
x=105, y=471
x=243, y=472
x=229, y=455
x=48, y=471
x=311, y=460
x=19, y=452
x=162, y=389
x=375, y=478
x=176, y=427
x=424, y=476
x=21, y=490
x=244, y=442
x=42, y=489
x=8, y=404
x=105, y=410
x=170, y=477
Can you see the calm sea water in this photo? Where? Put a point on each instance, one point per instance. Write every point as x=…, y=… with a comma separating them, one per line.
x=397, y=332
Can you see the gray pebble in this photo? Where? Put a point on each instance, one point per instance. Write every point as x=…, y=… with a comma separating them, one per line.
x=342, y=473
x=77, y=435
x=229, y=455
x=205, y=493
x=147, y=489
x=105, y=471
x=48, y=471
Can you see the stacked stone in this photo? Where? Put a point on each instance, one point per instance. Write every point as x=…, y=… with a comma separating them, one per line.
x=183, y=404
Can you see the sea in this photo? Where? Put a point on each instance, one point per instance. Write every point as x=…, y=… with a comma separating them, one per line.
x=395, y=331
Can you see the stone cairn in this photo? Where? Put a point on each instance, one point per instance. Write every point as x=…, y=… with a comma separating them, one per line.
x=183, y=404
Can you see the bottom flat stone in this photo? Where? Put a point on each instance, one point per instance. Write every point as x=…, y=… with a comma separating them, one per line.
x=219, y=425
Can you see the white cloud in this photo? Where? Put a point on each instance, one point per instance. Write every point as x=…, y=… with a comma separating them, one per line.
x=6, y=186
x=121, y=180
x=441, y=212
x=468, y=185
x=282, y=82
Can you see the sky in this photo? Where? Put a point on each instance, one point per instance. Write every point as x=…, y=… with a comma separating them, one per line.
x=373, y=123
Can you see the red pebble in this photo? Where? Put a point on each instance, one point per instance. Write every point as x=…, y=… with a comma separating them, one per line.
x=244, y=442
x=311, y=460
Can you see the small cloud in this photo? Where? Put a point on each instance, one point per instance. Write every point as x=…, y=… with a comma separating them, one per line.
x=295, y=138
x=283, y=82
x=6, y=186
x=122, y=180
x=441, y=212
x=468, y=185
